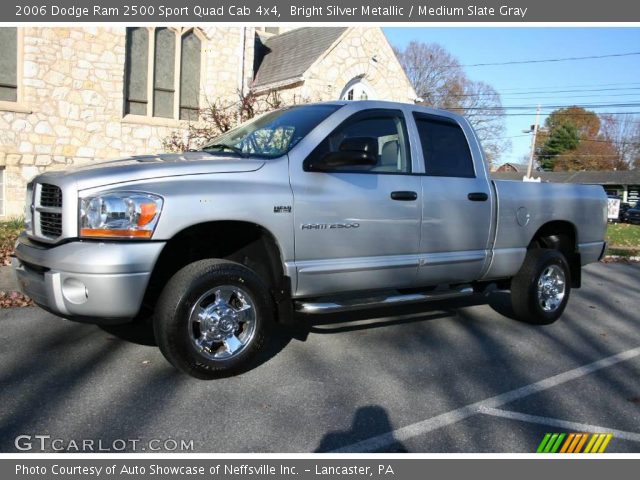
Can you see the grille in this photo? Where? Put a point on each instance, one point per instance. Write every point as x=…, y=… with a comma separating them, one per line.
x=50, y=196
x=51, y=224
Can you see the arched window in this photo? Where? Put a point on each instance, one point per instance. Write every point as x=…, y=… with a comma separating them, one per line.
x=357, y=89
x=154, y=87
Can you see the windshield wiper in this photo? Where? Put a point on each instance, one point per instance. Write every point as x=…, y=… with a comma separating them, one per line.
x=223, y=146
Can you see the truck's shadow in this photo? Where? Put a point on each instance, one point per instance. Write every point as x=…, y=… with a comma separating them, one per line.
x=141, y=332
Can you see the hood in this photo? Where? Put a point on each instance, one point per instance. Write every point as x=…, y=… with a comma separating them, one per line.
x=153, y=166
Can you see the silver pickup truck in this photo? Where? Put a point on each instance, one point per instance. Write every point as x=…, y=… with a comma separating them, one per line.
x=317, y=208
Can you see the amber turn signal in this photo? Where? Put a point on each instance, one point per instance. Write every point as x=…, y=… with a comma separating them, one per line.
x=106, y=233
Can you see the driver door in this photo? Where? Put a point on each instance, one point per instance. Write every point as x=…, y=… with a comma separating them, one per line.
x=358, y=227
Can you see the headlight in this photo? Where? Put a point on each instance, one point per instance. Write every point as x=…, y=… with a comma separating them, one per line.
x=119, y=214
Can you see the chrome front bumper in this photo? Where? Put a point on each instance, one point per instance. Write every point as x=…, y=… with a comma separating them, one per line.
x=97, y=282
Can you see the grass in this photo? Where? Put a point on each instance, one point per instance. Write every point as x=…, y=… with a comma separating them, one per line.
x=623, y=239
x=9, y=231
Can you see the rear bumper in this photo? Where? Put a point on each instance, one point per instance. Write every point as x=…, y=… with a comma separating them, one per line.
x=88, y=281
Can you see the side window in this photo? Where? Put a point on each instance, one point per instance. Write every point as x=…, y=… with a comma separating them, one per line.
x=136, y=71
x=9, y=64
x=386, y=130
x=190, y=76
x=162, y=74
x=444, y=146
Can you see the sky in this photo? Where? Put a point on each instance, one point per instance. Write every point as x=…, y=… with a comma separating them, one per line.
x=606, y=80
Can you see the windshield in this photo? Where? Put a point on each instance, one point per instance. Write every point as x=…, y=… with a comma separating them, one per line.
x=271, y=135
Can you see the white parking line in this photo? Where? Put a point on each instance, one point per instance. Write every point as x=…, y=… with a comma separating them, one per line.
x=556, y=422
x=420, y=428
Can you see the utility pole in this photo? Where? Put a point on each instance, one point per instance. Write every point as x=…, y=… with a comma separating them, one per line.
x=533, y=142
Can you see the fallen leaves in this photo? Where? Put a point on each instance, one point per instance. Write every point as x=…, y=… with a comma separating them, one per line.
x=620, y=259
x=14, y=299
x=9, y=232
x=5, y=256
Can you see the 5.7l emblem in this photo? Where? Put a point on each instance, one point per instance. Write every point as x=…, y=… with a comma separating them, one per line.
x=282, y=209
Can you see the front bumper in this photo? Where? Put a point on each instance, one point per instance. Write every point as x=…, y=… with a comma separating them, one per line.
x=98, y=282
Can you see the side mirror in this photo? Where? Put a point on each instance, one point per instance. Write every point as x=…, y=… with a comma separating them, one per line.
x=353, y=152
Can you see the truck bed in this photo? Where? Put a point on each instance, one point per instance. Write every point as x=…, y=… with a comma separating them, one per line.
x=522, y=208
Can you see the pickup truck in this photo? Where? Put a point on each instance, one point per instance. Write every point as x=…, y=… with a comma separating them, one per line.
x=313, y=208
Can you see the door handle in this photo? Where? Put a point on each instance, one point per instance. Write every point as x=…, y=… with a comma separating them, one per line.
x=404, y=196
x=478, y=197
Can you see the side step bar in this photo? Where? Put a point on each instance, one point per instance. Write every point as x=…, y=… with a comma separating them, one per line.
x=345, y=305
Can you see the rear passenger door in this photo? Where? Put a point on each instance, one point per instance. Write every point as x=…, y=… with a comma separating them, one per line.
x=456, y=204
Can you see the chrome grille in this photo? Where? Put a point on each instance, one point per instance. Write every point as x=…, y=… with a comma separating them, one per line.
x=51, y=224
x=48, y=211
x=50, y=196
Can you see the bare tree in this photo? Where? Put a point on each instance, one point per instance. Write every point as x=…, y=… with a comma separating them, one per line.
x=440, y=81
x=435, y=74
x=481, y=104
x=623, y=131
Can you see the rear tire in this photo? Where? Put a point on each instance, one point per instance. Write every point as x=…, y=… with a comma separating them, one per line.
x=213, y=318
x=540, y=290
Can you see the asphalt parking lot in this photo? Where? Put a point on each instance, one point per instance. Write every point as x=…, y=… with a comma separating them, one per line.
x=448, y=377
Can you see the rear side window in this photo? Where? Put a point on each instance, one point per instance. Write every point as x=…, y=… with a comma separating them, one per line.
x=444, y=146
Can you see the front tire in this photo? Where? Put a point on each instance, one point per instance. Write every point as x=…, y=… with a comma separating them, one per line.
x=213, y=318
x=540, y=290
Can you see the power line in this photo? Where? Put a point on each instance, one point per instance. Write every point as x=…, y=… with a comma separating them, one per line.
x=556, y=113
x=596, y=140
x=543, y=87
x=558, y=97
x=520, y=114
x=546, y=60
x=528, y=107
x=512, y=136
x=538, y=155
x=578, y=155
x=613, y=142
x=578, y=90
x=535, y=92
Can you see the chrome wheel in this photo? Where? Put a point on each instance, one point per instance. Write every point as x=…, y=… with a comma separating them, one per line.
x=551, y=288
x=222, y=322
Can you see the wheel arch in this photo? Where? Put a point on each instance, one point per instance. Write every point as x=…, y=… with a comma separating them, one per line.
x=560, y=235
x=247, y=243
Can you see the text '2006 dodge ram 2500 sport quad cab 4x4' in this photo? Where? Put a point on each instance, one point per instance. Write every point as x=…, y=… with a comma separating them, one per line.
x=315, y=208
